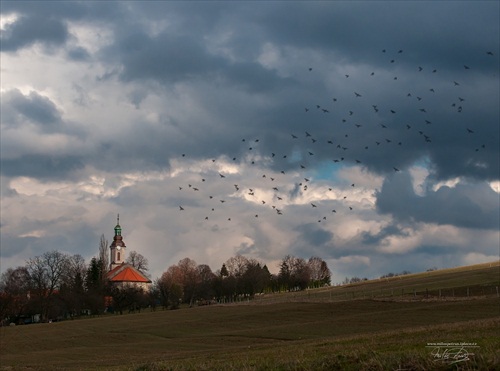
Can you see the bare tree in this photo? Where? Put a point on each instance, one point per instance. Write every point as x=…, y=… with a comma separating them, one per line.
x=294, y=273
x=138, y=261
x=254, y=279
x=72, y=290
x=14, y=291
x=236, y=265
x=170, y=287
x=104, y=252
x=46, y=273
x=190, y=279
x=206, y=279
x=320, y=273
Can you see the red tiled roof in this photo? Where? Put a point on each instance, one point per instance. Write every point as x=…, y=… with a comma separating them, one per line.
x=113, y=271
x=126, y=273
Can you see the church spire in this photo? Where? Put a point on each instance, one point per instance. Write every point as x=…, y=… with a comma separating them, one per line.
x=118, y=246
x=118, y=229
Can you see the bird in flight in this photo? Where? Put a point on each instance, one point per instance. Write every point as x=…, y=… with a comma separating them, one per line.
x=346, y=138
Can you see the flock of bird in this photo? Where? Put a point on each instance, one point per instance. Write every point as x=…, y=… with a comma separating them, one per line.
x=358, y=138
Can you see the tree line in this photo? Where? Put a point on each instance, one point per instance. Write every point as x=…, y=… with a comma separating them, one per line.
x=239, y=277
x=55, y=285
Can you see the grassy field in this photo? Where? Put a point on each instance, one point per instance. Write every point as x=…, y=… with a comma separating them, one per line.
x=315, y=330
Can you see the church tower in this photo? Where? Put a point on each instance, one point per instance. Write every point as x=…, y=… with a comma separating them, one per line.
x=117, y=247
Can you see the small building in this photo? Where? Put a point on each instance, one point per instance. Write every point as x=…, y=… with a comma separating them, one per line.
x=121, y=273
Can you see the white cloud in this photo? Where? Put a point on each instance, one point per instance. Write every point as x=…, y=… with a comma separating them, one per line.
x=478, y=258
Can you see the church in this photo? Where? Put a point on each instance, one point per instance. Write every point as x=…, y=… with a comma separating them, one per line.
x=121, y=273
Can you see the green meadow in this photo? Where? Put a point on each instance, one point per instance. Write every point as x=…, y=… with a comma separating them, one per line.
x=389, y=324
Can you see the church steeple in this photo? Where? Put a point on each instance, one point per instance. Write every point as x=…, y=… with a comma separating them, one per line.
x=118, y=229
x=117, y=246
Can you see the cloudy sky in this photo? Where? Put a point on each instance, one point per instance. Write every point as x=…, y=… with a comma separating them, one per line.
x=365, y=133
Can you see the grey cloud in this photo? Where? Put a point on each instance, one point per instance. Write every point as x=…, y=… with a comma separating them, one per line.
x=180, y=55
x=313, y=240
x=78, y=54
x=165, y=57
x=378, y=238
x=78, y=240
x=28, y=30
x=171, y=58
x=465, y=205
x=34, y=107
x=42, y=166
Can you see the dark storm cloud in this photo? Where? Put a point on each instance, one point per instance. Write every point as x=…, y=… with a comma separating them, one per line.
x=341, y=35
x=79, y=239
x=42, y=166
x=465, y=205
x=33, y=107
x=78, y=54
x=312, y=239
x=67, y=10
x=165, y=57
x=359, y=29
x=171, y=58
x=387, y=231
x=27, y=31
